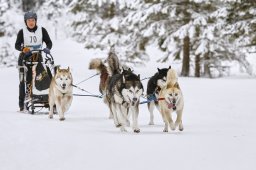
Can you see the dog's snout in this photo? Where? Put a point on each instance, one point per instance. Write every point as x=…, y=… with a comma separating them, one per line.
x=135, y=99
x=173, y=101
x=64, y=85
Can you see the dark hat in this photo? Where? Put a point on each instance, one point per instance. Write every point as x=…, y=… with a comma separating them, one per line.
x=30, y=15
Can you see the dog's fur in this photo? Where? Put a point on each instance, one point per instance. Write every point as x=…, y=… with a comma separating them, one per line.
x=123, y=95
x=173, y=101
x=98, y=65
x=154, y=86
x=60, y=92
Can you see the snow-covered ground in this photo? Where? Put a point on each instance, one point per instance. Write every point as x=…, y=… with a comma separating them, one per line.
x=219, y=126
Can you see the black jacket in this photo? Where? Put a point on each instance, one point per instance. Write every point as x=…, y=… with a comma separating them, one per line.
x=20, y=40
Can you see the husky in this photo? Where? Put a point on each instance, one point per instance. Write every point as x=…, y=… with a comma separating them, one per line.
x=171, y=100
x=110, y=67
x=154, y=86
x=123, y=95
x=98, y=65
x=60, y=92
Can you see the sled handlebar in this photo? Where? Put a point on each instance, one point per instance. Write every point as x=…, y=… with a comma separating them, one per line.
x=46, y=55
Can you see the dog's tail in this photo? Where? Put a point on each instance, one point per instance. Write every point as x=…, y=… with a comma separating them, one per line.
x=172, y=77
x=96, y=64
x=113, y=63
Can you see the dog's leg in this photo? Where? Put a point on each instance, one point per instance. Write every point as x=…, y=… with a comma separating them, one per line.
x=151, y=106
x=178, y=121
x=128, y=124
x=51, y=104
x=135, y=113
x=169, y=119
x=121, y=117
x=68, y=101
x=59, y=108
x=163, y=113
x=113, y=108
x=107, y=102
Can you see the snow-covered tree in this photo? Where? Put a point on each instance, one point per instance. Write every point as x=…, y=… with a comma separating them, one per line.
x=7, y=30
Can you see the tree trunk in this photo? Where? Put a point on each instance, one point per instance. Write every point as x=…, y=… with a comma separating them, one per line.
x=207, y=72
x=197, y=66
x=185, y=62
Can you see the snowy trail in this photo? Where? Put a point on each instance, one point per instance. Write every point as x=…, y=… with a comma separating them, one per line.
x=219, y=122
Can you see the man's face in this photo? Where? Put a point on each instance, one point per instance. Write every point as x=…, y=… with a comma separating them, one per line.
x=31, y=23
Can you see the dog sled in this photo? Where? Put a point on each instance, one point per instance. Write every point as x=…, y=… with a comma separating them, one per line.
x=42, y=69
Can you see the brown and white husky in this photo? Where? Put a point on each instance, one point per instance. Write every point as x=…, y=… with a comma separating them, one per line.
x=171, y=100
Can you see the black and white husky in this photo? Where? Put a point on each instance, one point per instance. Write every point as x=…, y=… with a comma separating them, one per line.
x=155, y=84
x=123, y=93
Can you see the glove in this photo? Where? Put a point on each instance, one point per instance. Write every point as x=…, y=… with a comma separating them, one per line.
x=47, y=50
x=27, y=52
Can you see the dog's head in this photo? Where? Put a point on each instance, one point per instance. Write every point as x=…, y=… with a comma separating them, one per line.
x=63, y=78
x=172, y=95
x=132, y=87
x=161, y=76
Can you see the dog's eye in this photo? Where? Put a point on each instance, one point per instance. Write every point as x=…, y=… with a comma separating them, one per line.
x=60, y=78
x=176, y=94
x=66, y=78
x=130, y=91
x=170, y=94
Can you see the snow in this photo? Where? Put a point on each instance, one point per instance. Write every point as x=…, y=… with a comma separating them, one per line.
x=219, y=125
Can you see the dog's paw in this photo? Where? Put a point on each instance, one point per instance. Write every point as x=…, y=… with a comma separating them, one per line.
x=118, y=125
x=172, y=126
x=136, y=130
x=123, y=129
x=62, y=118
x=181, y=127
x=50, y=116
x=165, y=130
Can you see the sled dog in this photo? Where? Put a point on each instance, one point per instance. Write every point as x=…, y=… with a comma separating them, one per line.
x=60, y=92
x=98, y=65
x=106, y=69
x=154, y=86
x=123, y=94
x=172, y=100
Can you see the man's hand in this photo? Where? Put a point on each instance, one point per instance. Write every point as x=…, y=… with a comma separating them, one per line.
x=27, y=52
x=47, y=50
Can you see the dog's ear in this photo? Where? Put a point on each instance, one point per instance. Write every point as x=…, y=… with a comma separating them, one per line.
x=158, y=70
x=68, y=69
x=170, y=67
x=176, y=85
x=58, y=70
x=139, y=76
x=123, y=78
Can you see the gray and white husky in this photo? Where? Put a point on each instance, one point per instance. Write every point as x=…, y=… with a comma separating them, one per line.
x=123, y=94
x=61, y=92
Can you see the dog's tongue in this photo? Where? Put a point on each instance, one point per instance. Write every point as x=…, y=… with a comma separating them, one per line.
x=171, y=106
